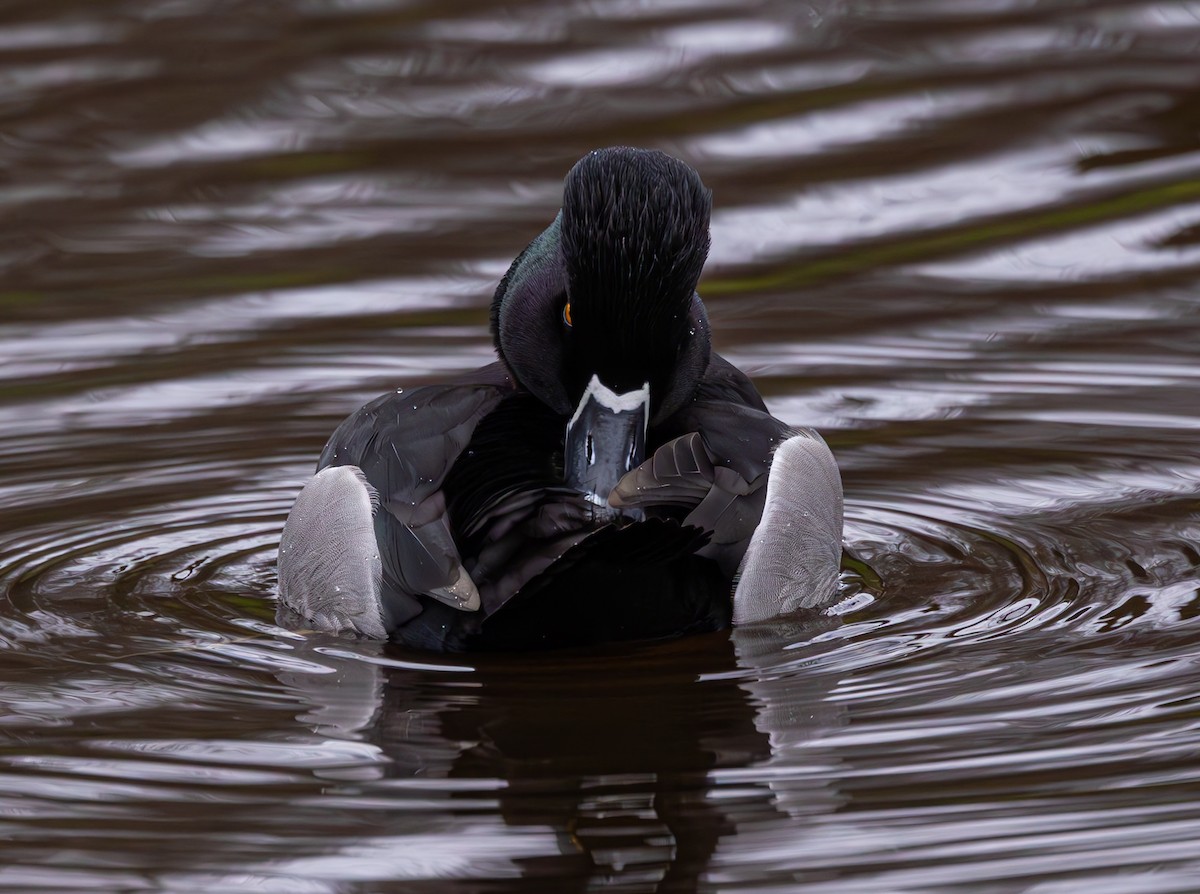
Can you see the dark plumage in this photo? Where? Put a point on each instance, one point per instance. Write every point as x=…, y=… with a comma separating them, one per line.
x=602, y=481
x=635, y=239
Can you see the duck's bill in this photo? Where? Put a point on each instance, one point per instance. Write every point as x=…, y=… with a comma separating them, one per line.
x=606, y=437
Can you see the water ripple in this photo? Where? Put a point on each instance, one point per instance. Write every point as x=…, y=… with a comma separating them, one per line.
x=959, y=238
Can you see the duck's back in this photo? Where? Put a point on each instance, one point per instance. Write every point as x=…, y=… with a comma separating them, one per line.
x=552, y=570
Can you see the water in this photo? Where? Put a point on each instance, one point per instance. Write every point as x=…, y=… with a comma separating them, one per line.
x=962, y=239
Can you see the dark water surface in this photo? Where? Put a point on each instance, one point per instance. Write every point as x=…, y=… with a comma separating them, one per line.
x=960, y=238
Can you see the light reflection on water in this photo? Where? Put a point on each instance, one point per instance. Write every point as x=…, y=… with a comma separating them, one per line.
x=959, y=238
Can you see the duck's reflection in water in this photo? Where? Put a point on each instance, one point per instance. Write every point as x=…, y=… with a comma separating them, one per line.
x=627, y=765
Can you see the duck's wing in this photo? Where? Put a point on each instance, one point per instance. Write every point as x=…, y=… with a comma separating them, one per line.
x=714, y=465
x=717, y=468
x=507, y=502
x=716, y=473
x=401, y=447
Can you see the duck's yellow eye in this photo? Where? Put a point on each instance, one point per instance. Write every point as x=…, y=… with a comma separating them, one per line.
x=567, y=313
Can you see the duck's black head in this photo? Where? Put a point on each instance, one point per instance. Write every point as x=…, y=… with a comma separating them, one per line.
x=604, y=301
x=609, y=289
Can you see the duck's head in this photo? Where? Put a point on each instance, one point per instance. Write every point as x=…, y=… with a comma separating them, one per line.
x=599, y=316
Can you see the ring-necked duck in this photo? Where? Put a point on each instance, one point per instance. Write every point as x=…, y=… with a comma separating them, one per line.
x=610, y=477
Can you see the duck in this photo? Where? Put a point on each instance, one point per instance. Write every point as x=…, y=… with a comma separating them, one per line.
x=609, y=477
